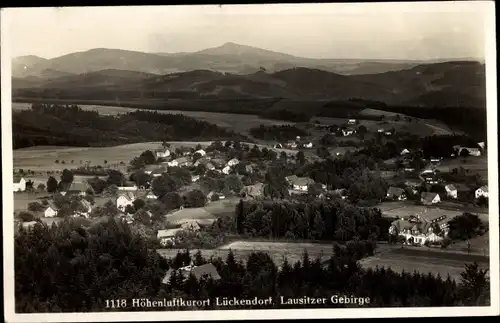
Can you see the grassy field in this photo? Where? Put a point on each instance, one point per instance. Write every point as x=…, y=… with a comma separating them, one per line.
x=406, y=208
x=22, y=199
x=277, y=251
x=424, y=261
x=212, y=211
x=473, y=164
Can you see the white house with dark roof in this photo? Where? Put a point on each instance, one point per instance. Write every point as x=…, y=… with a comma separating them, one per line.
x=482, y=191
x=125, y=199
x=199, y=272
x=351, y=121
x=348, y=132
x=404, y=152
x=429, y=198
x=163, y=153
x=201, y=152
x=76, y=188
x=429, y=227
x=473, y=151
x=396, y=193
x=51, y=210
x=226, y=170
x=233, y=162
x=299, y=183
x=167, y=236
x=451, y=191
x=19, y=184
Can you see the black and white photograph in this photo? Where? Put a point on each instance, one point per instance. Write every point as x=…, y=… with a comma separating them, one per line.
x=217, y=162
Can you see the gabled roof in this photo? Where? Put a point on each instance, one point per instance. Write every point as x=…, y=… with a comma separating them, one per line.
x=395, y=191
x=428, y=196
x=52, y=206
x=17, y=179
x=205, y=270
x=302, y=181
x=169, y=233
x=254, y=190
x=86, y=204
x=484, y=188
x=128, y=195
x=159, y=170
x=451, y=187
x=77, y=187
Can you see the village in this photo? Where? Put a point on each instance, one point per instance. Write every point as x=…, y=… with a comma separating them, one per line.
x=170, y=188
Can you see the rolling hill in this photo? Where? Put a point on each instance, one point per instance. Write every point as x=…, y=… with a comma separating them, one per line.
x=228, y=58
x=441, y=84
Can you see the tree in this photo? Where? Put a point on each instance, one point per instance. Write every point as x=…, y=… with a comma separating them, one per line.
x=142, y=216
x=233, y=183
x=301, y=158
x=148, y=157
x=464, y=153
x=97, y=184
x=35, y=207
x=196, y=156
x=51, y=185
x=140, y=178
x=474, y=281
x=115, y=177
x=198, y=147
x=164, y=184
x=129, y=209
x=138, y=204
x=40, y=187
x=67, y=176
x=195, y=198
x=26, y=216
x=172, y=200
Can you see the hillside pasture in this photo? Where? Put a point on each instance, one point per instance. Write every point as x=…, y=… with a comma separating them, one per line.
x=208, y=213
x=424, y=261
x=474, y=164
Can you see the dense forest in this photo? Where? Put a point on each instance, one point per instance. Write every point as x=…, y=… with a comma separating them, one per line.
x=277, y=133
x=46, y=124
x=66, y=268
x=319, y=220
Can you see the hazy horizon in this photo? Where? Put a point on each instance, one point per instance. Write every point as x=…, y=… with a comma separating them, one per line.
x=371, y=31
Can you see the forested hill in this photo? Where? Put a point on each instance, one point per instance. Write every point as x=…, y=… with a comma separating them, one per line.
x=71, y=126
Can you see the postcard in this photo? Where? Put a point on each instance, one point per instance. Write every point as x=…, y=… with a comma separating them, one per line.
x=231, y=162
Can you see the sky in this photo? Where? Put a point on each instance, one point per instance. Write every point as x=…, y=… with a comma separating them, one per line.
x=407, y=31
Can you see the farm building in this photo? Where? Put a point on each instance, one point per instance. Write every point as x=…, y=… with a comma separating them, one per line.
x=172, y=163
x=191, y=226
x=206, y=270
x=351, y=121
x=51, y=210
x=482, y=191
x=151, y=195
x=195, y=178
x=233, y=162
x=299, y=183
x=429, y=198
x=451, y=191
x=308, y=144
x=381, y=130
x=388, y=133
x=481, y=144
x=163, y=153
x=226, y=170
x=76, y=189
x=396, y=193
x=19, y=184
x=128, y=187
x=405, y=152
x=125, y=199
x=278, y=146
x=167, y=236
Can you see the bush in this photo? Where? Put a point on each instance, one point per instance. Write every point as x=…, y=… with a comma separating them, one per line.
x=35, y=207
x=445, y=243
x=215, y=197
x=26, y=216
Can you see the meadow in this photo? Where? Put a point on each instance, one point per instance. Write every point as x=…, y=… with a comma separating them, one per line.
x=424, y=261
x=474, y=164
x=406, y=208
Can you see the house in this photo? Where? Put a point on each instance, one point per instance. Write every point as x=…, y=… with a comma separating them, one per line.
x=163, y=154
x=195, y=178
x=253, y=191
x=51, y=210
x=183, y=161
x=429, y=198
x=348, y=132
x=172, y=163
x=76, y=188
x=30, y=224
x=482, y=191
x=210, y=166
x=380, y=130
x=299, y=183
x=19, y=184
x=431, y=179
x=151, y=195
x=191, y=226
x=201, y=152
x=167, y=237
x=396, y=193
x=421, y=230
x=481, y=145
x=351, y=121
x=199, y=272
x=226, y=170
x=472, y=151
x=308, y=145
x=84, y=209
x=125, y=199
x=278, y=146
x=233, y=162
x=405, y=152
x=388, y=133
x=292, y=144
x=129, y=187
x=451, y=191
x=157, y=172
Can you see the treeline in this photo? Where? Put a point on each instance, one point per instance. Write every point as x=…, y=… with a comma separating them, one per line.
x=277, y=133
x=286, y=115
x=65, y=268
x=318, y=220
x=72, y=126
